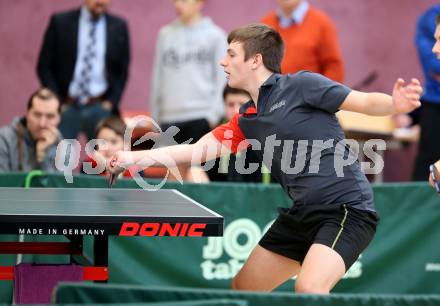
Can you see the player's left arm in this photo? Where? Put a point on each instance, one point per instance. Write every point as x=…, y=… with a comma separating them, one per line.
x=405, y=98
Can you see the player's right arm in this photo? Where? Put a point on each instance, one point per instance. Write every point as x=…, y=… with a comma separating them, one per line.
x=221, y=141
x=207, y=148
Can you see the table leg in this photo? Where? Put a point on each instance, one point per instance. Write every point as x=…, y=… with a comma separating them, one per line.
x=100, y=251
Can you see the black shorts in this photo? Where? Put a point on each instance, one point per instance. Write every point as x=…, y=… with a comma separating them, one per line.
x=345, y=229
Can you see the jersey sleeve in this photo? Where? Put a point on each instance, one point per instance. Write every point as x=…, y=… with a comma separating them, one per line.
x=321, y=92
x=231, y=135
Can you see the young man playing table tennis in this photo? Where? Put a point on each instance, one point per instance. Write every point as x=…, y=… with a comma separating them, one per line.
x=333, y=218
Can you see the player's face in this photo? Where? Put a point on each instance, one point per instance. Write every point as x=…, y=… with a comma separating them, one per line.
x=236, y=68
x=112, y=142
x=233, y=102
x=436, y=48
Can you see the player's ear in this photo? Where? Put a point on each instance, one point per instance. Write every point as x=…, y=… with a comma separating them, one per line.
x=257, y=61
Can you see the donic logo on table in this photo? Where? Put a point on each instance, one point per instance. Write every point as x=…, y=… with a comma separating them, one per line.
x=162, y=229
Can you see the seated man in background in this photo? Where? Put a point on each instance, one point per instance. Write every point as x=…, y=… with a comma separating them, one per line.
x=30, y=142
x=227, y=168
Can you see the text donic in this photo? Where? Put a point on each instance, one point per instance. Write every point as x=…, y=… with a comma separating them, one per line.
x=162, y=229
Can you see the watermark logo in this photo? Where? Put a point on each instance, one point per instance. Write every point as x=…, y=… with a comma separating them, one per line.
x=69, y=151
x=160, y=138
x=291, y=157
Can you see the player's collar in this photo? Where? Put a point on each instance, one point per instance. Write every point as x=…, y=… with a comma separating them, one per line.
x=272, y=80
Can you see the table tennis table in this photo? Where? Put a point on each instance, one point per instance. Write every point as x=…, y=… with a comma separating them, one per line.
x=78, y=212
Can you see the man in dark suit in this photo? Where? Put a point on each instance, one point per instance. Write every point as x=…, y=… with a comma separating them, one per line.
x=84, y=59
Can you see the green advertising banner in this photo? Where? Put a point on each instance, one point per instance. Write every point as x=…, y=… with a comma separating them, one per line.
x=105, y=294
x=404, y=256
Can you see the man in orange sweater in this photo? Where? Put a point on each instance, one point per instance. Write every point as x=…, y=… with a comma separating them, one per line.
x=310, y=39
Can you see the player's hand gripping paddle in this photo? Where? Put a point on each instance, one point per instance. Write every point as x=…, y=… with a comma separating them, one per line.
x=113, y=175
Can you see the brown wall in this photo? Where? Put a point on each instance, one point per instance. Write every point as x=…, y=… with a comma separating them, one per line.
x=376, y=36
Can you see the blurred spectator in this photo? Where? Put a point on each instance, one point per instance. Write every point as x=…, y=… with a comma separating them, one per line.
x=187, y=78
x=429, y=146
x=29, y=142
x=110, y=134
x=226, y=167
x=309, y=37
x=434, y=177
x=85, y=65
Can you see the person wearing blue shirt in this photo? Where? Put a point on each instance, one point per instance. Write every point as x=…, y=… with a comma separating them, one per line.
x=434, y=177
x=429, y=147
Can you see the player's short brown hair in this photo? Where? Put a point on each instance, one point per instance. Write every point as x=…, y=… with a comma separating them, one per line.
x=258, y=38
